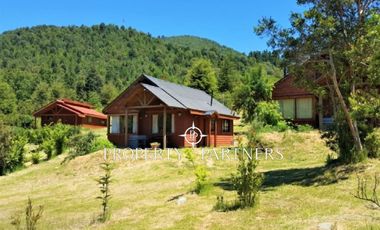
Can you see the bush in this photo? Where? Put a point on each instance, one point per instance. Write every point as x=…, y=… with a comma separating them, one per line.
x=60, y=136
x=101, y=143
x=17, y=151
x=223, y=206
x=372, y=144
x=5, y=146
x=339, y=139
x=12, y=148
x=48, y=147
x=304, y=128
x=52, y=139
x=201, y=175
x=80, y=145
x=189, y=155
x=36, y=157
x=247, y=182
x=31, y=217
x=104, y=185
x=268, y=113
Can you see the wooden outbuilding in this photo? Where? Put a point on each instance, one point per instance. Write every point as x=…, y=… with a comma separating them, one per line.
x=300, y=105
x=155, y=110
x=72, y=113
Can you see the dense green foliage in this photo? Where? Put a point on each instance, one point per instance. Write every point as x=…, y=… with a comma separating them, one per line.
x=12, y=149
x=85, y=143
x=80, y=145
x=201, y=75
x=337, y=42
x=269, y=113
x=254, y=88
x=52, y=140
x=95, y=63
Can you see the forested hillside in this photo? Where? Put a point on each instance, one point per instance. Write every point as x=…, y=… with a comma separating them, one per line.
x=95, y=63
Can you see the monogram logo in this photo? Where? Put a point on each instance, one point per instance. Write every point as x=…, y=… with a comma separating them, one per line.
x=193, y=135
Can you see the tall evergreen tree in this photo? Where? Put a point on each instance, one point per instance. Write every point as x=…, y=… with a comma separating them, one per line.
x=202, y=75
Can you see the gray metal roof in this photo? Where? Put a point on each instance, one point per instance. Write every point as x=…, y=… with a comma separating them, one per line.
x=166, y=98
x=185, y=97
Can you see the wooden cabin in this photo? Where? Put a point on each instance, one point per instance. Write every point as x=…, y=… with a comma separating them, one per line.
x=71, y=113
x=155, y=110
x=301, y=106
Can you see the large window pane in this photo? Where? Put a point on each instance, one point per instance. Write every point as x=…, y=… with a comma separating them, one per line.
x=115, y=124
x=155, y=123
x=304, y=108
x=226, y=126
x=158, y=124
x=132, y=124
x=287, y=108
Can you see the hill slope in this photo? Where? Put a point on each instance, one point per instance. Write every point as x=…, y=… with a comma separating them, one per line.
x=198, y=43
x=299, y=192
x=94, y=63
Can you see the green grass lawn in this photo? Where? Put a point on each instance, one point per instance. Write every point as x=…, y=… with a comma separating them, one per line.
x=299, y=192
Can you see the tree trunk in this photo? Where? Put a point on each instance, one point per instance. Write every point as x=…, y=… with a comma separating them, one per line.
x=351, y=123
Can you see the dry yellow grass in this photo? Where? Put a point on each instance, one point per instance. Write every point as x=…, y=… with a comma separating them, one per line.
x=299, y=192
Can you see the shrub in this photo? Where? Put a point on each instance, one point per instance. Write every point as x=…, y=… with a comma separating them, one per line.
x=268, y=113
x=201, y=175
x=52, y=139
x=339, y=139
x=223, y=206
x=372, y=144
x=220, y=204
x=12, y=149
x=60, y=135
x=104, y=182
x=304, y=128
x=5, y=146
x=80, y=145
x=189, y=155
x=17, y=151
x=36, y=157
x=101, y=143
x=247, y=182
x=48, y=147
x=30, y=216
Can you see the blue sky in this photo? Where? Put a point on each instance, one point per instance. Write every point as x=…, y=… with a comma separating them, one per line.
x=229, y=22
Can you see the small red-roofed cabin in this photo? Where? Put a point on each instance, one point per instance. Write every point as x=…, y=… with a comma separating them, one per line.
x=71, y=113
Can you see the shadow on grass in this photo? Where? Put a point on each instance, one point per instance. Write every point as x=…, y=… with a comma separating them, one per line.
x=316, y=176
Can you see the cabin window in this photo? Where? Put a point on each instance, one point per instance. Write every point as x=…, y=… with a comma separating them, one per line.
x=115, y=124
x=89, y=119
x=213, y=125
x=132, y=124
x=304, y=108
x=172, y=123
x=226, y=126
x=158, y=125
x=155, y=123
x=287, y=107
x=300, y=108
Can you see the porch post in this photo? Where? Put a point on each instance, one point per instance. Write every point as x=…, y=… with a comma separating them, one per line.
x=164, y=129
x=209, y=133
x=320, y=111
x=108, y=124
x=126, y=127
x=215, y=131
